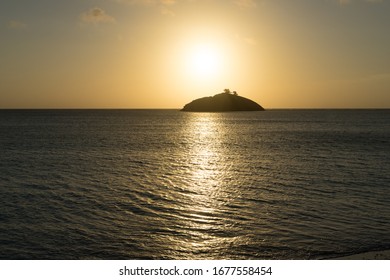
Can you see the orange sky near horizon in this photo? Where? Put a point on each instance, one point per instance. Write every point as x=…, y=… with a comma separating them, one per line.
x=163, y=54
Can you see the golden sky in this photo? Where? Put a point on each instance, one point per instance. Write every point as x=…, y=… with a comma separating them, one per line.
x=165, y=53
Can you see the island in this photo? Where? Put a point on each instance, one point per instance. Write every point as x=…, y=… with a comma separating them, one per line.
x=222, y=102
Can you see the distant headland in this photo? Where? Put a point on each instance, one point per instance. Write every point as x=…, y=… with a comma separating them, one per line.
x=222, y=102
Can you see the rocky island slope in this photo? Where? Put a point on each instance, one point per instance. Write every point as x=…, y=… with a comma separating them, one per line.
x=222, y=102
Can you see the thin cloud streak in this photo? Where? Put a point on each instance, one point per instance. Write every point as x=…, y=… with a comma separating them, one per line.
x=16, y=25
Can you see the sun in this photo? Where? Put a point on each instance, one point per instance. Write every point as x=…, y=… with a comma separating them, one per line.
x=205, y=61
x=202, y=63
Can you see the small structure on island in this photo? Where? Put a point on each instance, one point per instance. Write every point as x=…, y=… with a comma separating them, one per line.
x=222, y=102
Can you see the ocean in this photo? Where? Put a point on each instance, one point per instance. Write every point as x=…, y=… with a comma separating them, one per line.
x=165, y=184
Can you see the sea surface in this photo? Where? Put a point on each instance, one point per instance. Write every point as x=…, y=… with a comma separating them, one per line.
x=165, y=184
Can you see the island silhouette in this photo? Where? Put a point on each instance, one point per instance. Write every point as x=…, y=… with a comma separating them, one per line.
x=222, y=102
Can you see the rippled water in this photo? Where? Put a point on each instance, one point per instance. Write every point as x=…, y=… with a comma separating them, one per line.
x=163, y=184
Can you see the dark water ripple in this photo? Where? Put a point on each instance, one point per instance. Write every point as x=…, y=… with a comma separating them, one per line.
x=162, y=184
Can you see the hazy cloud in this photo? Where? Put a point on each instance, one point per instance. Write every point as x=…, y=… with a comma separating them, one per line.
x=167, y=2
x=96, y=15
x=250, y=41
x=245, y=3
x=247, y=40
x=167, y=12
x=163, y=5
x=344, y=2
x=147, y=2
x=240, y=3
x=373, y=81
x=383, y=77
x=15, y=24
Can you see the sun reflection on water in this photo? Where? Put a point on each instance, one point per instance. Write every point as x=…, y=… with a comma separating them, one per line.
x=203, y=216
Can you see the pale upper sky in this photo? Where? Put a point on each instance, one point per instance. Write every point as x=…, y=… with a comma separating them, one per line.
x=165, y=53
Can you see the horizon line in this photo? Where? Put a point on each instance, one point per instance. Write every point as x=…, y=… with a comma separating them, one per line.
x=276, y=108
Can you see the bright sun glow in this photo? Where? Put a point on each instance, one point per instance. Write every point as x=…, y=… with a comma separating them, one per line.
x=205, y=61
x=204, y=64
